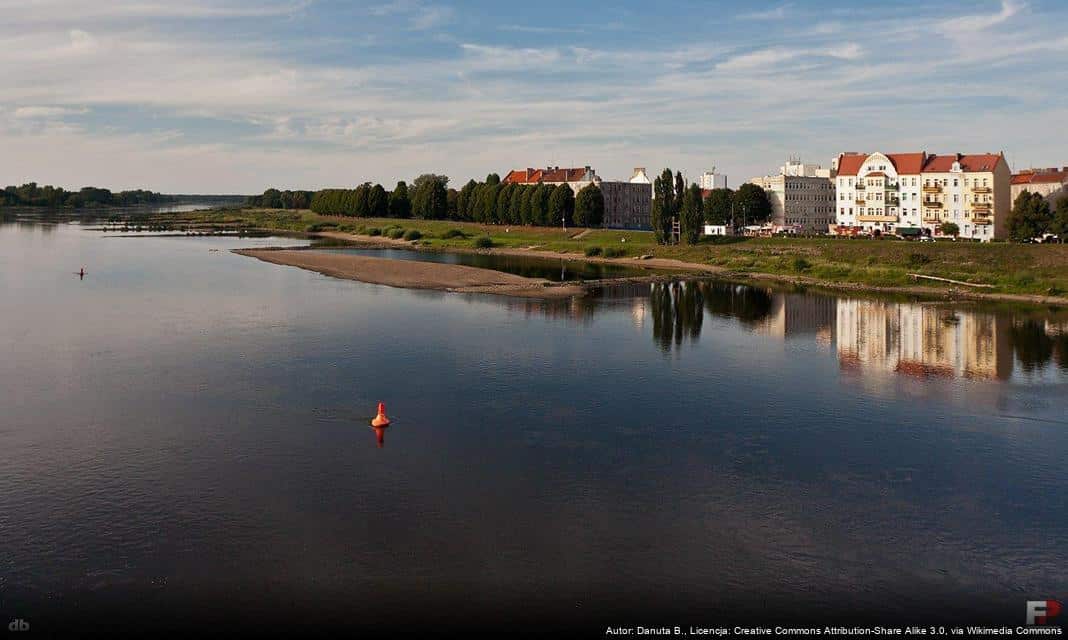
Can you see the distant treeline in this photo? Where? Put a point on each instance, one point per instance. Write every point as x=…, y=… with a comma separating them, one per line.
x=430, y=197
x=31, y=195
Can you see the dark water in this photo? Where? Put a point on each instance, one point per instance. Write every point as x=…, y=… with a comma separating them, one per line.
x=184, y=442
x=545, y=268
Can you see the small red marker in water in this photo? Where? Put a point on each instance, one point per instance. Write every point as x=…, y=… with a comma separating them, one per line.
x=381, y=420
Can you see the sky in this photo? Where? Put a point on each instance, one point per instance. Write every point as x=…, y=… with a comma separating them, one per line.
x=230, y=96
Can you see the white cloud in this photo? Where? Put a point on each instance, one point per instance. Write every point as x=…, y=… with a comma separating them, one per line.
x=973, y=23
x=38, y=112
x=777, y=13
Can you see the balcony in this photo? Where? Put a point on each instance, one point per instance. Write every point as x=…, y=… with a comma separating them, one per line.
x=983, y=220
x=982, y=190
x=860, y=186
x=859, y=201
x=932, y=204
x=891, y=187
x=932, y=188
x=982, y=205
x=929, y=217
x=893, y=202
x=873, y=218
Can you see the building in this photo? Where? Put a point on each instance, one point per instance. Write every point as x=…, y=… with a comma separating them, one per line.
x=627, y=205
x=916, y=193
x=711, y=180
x=801, y=196
x=640, y=176
x=1045, y=182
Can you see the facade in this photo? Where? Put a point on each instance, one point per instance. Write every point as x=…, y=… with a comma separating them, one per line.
x=627, y=205
x=711, y=180
x=915, y=193
x=1044, y=182
x=640, y=176
x=801, y=200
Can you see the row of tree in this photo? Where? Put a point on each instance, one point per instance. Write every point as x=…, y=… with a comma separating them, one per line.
x=674, y=200
x=488, y=202
x=31, y=195
x=1032, y=216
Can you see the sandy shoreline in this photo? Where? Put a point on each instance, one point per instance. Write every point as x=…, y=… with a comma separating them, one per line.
x=414, y=275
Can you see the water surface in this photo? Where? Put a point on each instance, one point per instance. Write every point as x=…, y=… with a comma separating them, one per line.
x=184, y=441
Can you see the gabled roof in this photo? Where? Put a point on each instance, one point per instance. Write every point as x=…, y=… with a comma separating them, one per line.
x=549, y=174
x=849, y=164
x=1051, y=176
x=974, y=162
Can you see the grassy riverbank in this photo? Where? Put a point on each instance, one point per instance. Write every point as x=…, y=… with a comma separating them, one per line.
x=1011, y=269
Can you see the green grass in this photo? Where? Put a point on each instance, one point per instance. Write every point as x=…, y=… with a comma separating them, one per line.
x=1011, y=268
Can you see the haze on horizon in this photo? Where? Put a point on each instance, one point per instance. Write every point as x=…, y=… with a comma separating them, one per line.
x=231, y=96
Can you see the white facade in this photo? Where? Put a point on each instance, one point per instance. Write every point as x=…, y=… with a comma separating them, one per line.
x=640, y=176
x=802, y=200
x=717, y=230
x=711, y=180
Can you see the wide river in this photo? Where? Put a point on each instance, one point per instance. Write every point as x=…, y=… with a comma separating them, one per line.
x=184, y=440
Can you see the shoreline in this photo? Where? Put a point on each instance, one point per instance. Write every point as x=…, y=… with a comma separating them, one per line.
x=415, y=275
x=681, y=268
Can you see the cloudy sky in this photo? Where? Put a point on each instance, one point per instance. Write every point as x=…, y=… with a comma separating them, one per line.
x=233, y=96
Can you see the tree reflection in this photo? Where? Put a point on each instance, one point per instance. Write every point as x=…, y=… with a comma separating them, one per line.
x=1034, y=348
x=747, y=304
x=678, y=311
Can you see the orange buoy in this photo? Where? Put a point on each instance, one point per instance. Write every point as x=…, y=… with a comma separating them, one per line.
x=381, y=420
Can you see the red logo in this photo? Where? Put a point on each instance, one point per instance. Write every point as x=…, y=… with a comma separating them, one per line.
x=1041, y=611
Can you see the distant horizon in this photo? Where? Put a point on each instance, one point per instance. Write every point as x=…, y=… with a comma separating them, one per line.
x=232, y=97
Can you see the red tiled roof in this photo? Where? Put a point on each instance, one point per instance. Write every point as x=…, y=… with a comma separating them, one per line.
x=976, y=162
x=849, y=164
x=550, y=174
x=1041, y=177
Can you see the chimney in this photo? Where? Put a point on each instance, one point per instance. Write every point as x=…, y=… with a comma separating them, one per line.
x=530, y=172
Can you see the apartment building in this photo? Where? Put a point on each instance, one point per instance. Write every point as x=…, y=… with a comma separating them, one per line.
x=916, y=193
x=802, y=197
x=1044, y=182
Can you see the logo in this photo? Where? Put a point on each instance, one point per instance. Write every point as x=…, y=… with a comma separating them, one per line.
x=1041, y=611
x=18, y=624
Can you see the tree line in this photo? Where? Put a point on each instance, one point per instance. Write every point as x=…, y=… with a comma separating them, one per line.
x=429, y=197
x=1032, y=216
x=674, y=200
x=31, y=195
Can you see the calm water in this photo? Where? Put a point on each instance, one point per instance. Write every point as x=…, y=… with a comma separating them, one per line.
x=184, y=441
x=545, y=268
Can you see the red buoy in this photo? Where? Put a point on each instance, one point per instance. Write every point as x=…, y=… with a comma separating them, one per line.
x=380, y=420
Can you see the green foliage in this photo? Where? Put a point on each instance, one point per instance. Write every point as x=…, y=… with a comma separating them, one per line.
x=465, y=201
x=430, y=198
x=801, y=265
x=664, y=207
x=615, y=252
x=589, y=206
x=949, y=229
x=320, y=226
x=718, y=206
x=751, y=204
x=916, y=260
x=1030, y=217
x=400, y=205
x=30, y=195
x=413, y=234
x=1059, y=224
x=483, y=242
x=692, y=214
x=275, y=199
x=593, y=251
x=396, y=233
x=374, y=231
x=561, y=204
x=378, y=202
x=453, y=233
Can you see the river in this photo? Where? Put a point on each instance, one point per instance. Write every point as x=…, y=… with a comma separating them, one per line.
x=185, y=441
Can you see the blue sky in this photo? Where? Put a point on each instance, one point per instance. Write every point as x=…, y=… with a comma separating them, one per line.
x=235, y=96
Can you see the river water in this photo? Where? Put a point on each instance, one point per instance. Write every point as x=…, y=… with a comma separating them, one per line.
x=184, y=441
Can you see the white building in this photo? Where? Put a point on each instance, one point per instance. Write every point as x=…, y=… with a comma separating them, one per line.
x=916, y=193
x=801, y=196
x=711, y=180
x=640, y=176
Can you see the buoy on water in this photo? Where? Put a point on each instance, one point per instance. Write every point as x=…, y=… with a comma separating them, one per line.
x=380, y=420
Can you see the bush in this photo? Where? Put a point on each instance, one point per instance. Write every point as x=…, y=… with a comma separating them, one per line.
x=374, y=231
x=320, y=226
x=453, y=233
x=483, y=242
x=801, y=265
x=615, y=252
x=412, y=234
x=918, y=259
x=396, y=233
x=593, y=251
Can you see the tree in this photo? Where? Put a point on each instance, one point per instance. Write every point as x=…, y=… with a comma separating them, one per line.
x=504, y=202
x=692, y=214
x=526, y=193
x=452, y=200
x=1060, y=219
x=361, y=206
x=949, y=229
x=1030, y=217
x=751, y=204
x=539, y=205
x=400, y=206
x=378, y=202
x=561, y=205
x=680, y=191
x=663, y=205
x=717, y=206
x=427, y=178
x=465, y=200
x=589, y=206
x=514, y=216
